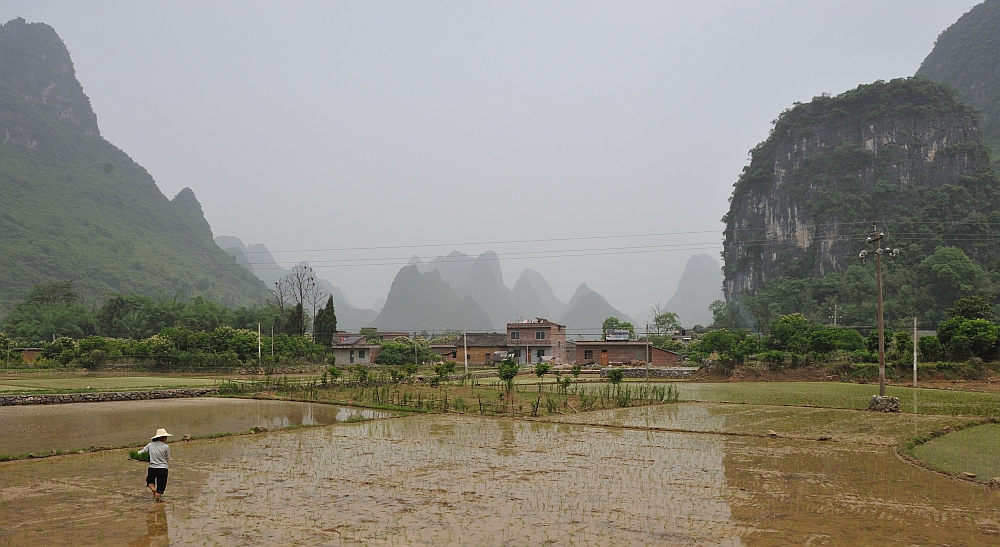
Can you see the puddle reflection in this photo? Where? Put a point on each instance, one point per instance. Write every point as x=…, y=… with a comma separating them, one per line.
x=40, y=428
x=156, y=529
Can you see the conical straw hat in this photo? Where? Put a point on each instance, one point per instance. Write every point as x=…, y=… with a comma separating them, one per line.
x=161, y=433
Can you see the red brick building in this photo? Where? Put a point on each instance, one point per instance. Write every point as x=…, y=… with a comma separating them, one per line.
x=481, y=346
x=607, y=352
x=538, y=339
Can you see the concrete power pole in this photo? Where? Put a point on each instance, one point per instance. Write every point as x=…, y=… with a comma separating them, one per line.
x=876, y=237
x=914, y=351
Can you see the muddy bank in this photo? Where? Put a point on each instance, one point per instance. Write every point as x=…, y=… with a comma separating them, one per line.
x=63, y=398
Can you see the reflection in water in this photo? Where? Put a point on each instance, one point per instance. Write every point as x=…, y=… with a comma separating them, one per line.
x=462, y=480
x=80, y=425
x=156, y=529
x=508, y=446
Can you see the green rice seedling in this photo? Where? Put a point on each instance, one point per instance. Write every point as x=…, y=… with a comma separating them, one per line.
x=551, y=405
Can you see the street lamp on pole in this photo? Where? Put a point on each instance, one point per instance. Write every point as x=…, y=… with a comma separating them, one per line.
x=876, y=237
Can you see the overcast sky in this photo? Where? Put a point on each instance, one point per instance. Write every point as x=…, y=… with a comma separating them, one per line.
x=414, y=126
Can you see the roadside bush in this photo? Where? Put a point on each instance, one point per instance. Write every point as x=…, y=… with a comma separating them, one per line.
x=93, y=358
x=930, y=348
x=774, y=359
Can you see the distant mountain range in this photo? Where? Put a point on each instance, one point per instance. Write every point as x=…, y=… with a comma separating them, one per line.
x=258, y=260
x=700, y=285
x=75, y=207
x=478, y=284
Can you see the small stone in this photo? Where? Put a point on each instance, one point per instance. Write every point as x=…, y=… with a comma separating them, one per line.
x=969, y=475
x=994, y=482
x=946, y=428
x=825, y=438
x=772, y=433
x=186, y=438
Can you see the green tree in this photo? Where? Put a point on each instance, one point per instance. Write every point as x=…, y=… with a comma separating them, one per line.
x=964, y=338
x=974, y=307
x=326, y=324
x=662, y=321
x=50, y=311
x=616, y=375
x=506, y=371
x=952, y=275
x=541, y=369
x=613, y=323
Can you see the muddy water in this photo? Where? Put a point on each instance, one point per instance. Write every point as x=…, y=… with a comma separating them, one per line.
x=462, y=480
x=800, y=423
x=41, y=428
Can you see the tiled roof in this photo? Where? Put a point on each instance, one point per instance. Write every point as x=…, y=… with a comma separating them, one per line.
x=482, y=339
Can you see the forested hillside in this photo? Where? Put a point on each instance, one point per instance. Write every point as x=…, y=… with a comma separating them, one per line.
x=967, y=57
x=73, y=207
x=904, y=154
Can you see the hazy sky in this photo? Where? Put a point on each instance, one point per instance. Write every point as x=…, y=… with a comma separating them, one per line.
x=411, y=126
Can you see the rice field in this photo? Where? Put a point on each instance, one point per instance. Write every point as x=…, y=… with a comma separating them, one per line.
x=84, y=384
x=613, y=477
x=974, y=450
x=844, y=395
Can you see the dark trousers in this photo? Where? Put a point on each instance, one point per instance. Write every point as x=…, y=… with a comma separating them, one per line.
x=158, y=477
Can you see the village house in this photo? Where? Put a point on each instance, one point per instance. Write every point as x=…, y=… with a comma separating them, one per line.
x=538, y=339
x=481, y=347
x=608, y=352
x=353, y=349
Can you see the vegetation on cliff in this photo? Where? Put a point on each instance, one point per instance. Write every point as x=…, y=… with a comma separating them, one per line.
x=905, y=154
x=75, y=207
x=966, y=57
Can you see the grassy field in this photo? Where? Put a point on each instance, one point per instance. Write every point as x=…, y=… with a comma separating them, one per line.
x=843, y=395
x=91, y=384
x=973, y=450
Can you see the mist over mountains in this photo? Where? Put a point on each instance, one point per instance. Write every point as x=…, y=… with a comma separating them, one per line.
x=258, y=260
x=75, y=207
x=478, y=283
x=700, y=285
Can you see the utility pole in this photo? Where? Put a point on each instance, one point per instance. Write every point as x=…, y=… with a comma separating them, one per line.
x=876, y=237
x=649, y=354
x=415, y=348
x=465, y=348
x=914, y=351
x=258, y=344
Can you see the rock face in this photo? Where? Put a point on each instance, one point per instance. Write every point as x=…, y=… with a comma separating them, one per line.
x=35, y=64
x=966, y=56
x=833, y=166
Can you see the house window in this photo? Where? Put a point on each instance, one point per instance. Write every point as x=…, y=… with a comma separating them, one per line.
x=517, y=354
x=540, y=353
x=588, y=354
x=352, y=355
x=361, y=354
x=514, y=335
x=539, y=335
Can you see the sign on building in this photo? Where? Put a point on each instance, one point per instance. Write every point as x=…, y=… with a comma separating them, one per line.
x=617, y=334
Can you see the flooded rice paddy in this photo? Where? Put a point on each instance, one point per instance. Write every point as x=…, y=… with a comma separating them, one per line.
x=466, y=480
x=42, y=428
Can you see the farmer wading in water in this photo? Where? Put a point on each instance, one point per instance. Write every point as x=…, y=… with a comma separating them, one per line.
x=159, y=455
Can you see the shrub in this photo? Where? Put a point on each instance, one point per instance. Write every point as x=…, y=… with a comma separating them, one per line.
x=615, y=375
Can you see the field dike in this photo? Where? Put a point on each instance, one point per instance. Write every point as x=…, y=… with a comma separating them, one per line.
x=65, y=398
